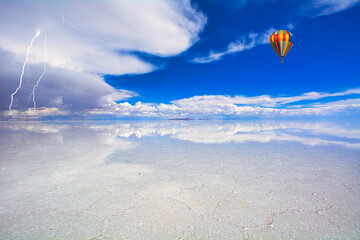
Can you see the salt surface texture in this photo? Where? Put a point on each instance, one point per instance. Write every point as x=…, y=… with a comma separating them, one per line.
x=180, y=180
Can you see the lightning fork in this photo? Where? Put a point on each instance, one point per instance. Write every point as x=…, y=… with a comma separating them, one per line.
x=23, y=68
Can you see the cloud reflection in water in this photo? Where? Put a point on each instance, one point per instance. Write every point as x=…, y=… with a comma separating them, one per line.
x=170, y=179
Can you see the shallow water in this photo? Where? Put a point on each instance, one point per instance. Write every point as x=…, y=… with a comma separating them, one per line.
x=180, y=180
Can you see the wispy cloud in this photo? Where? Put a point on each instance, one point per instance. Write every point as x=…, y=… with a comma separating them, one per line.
x=327, y=7
x=264, y=100
x=245, y=43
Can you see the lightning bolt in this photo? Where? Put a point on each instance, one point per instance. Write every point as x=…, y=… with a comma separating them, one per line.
x=23, y=68
x=42, y=75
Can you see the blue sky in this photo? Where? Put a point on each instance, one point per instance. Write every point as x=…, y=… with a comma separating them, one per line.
x=320, y=61
x=180, y=58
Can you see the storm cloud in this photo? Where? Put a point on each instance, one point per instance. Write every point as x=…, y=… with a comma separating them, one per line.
x=87, y=40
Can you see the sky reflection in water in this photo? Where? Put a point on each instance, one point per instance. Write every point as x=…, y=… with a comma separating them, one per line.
x=174, y=179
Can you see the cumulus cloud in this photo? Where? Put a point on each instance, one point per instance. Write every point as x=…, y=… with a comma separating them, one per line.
x=210, y=106
x=245, y=43
x=86, y=40
x=222, y=105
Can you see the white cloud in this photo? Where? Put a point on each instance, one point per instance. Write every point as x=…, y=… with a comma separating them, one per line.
x=264, y=100
x=245, y=43
x=327, y=7
x=290, y=26
x=88, y=39
x=220, y=105
x=95, y=36
x=215, y=106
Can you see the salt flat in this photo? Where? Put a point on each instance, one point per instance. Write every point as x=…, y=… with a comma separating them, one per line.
x=285, y=179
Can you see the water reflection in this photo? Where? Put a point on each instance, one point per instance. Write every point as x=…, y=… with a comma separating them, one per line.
x=174, y=179
x=305, y=132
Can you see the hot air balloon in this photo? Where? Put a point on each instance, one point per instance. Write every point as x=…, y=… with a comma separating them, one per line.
x=281, y=41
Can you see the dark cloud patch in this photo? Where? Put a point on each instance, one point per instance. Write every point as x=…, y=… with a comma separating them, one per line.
x=61, y=88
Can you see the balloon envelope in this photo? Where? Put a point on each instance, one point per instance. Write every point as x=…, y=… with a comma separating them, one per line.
x=281, y=41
